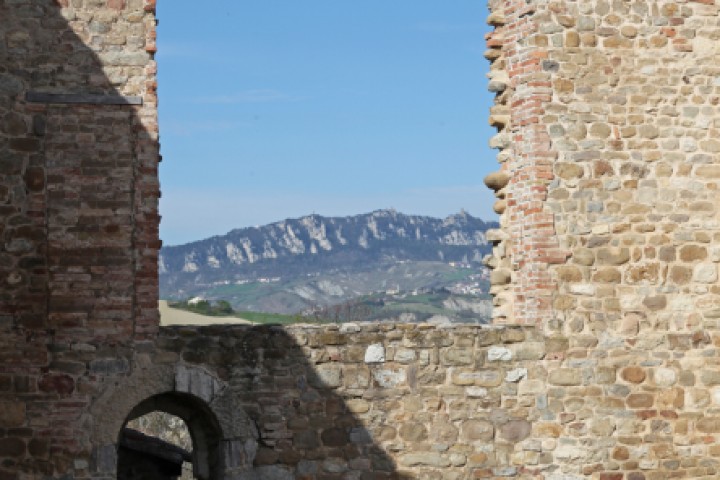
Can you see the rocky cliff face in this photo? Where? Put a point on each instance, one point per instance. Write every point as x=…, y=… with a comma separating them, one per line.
x=313, y=244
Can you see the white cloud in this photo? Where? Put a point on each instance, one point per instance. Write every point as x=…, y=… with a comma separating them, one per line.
x=181, y=50
x=250, y=96
x=444, y=27
x=186, y=128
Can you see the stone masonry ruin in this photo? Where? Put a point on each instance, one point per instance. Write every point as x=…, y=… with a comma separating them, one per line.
x=604, y=359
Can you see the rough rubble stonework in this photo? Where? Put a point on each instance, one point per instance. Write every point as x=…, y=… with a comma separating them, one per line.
x=603, y=361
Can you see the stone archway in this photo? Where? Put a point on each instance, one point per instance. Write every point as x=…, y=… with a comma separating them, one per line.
x=202, y=424
x=224, y=438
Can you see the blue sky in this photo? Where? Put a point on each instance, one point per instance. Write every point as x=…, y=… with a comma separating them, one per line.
x=272, y=109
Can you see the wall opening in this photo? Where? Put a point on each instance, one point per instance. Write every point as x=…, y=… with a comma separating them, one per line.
x=169, y=436
x=342, y=158
x=163, y=437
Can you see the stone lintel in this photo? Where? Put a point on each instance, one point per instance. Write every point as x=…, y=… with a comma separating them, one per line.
x=82, y=98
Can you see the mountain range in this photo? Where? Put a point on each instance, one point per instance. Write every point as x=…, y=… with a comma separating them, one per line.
x=315, y=261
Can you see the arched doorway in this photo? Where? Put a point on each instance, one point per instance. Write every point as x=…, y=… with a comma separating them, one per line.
x=141, y=456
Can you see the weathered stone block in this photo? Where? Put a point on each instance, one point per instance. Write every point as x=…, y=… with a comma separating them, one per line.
x=515, y=430
x=633, y=374
x=12, y=447
x=499, y=354
x=12, y=413
x=375, y=353
x=431, y=459
x=457, y=356
x=565, y=377
x=389, y=377
x=497, y=180
x=413, y=432
x=640, y=400
x=692, y=253
x=613, y=256
x=705, y=273
x=472, y=430
x=334, y=437
x=358, y=405
x=327, y=375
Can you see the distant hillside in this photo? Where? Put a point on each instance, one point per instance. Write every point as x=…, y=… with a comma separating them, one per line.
x=313, y=261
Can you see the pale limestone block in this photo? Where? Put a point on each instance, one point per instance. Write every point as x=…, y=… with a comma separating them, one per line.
x=705, y=273
x=586, y=289
x=390, y=377
x=516, y=375
x=476, y=392
x=682, y=303
x=405, y=355
x=569, y=452
x=375, y=353
x=349, y=328
x=665, y=377
x=496, y=354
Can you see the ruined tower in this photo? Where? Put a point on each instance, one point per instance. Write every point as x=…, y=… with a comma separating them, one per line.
x=609, y=133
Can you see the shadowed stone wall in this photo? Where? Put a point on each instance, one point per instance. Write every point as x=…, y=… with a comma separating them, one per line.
x=78, y=219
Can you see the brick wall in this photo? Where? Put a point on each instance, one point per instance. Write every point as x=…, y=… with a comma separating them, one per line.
x=527, y=243
x=78, y=217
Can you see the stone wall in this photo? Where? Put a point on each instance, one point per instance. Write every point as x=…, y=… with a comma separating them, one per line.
x=78, y=217
x=606, y=262
x=608, y=115
x=418, y=401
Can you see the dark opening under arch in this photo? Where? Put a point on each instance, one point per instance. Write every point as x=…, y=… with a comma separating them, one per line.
x=204, y=428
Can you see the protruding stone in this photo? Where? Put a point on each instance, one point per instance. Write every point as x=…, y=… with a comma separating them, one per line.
x=500, y=206
x=501, y=141
x=496, y=19
x=497, y=86
x=495, y=235
x=492, y=54
x=497, y=180
x=498, y=121
x=490, y=261
x=500, y=276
